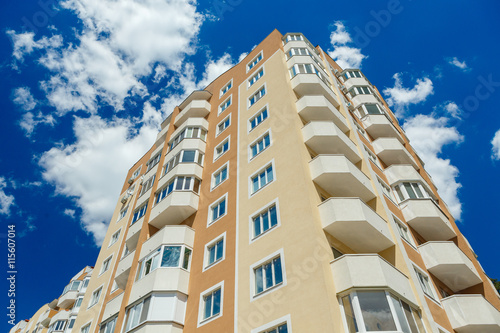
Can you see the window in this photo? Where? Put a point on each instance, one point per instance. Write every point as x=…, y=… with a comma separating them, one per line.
x=386, y=189
x=443, y=293
x=95, y=297
x=410, y=190
x=77, y=304
x=361, y=130
x=403, y=232
x=425, y=284
x=268, y=275
x=375, y=311
x=109, y=326
x=359, y=90
x=283, y=328
x=184, y=156
x=226, y=88
x=188, y=133
x=71, y=322
x=263, y=178
x=136, y=173
x=258, y=95
x=221, y=148
x=219, y=176
x=137, y=314
x=139, y=212
x=215, y=252
x=114, y=238
x=260, y=145
x=85, y=329
x=179, y=183
x=212, y=304
x=223, y=125
x=58, y=326
x=218, y=209
x=294, y=37
x=72, y=286
x=351, y=74
x=254, y=62
x=105, y=265
x=224, y=105
x=301, y=51
x=258, y=118
x=147, y=185
x=265, y=221
x=309, y=69
x=255, y=77
x=153, y=161
x=367, y=109
x=173, y=256
x=122, y=214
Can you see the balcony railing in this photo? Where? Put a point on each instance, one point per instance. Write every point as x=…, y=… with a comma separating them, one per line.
x=175, y=208
x=391, y=151
x=471, y=314
x=378, y=125
x=195, y=105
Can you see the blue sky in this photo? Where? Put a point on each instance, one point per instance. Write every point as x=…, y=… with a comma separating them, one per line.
x=86, y=84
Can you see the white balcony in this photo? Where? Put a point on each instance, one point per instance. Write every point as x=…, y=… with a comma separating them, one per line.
x=450, y=265
x=123, y=270
x=181, y=169
x=356, y=81
x=162, y=279
x=391, y=151
x=112, y=307
x=294, y=44
x=66, y=301
x=311, y=84
x=178, y=234
x=195, y=105
x=191, y=122
x=324, y=137
x=378, y=125
x=471, y=314
x=175, y=208
x=312, y=108
x=160, y=138
x=133, y=234
x=427, y=219
x=355, y=224
x=404, y=172
x=61, y=315
x=340, y=178
x=364, y=99
x=197, y=144
x=370, y=271
x=45, y=317
x=158, y=327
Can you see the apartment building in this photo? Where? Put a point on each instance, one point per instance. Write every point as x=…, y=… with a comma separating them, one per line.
x=284, y=197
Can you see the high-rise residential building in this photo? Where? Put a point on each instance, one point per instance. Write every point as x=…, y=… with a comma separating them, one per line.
x=283, y=197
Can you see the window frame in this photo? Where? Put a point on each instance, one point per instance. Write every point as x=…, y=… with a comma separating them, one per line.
x=218, y=130
x=275, y=324
x=98, y=289
x=105, y=266
x=107, y=322
x=215, y=173
x=255, y=77
x=201, y=320
x=433, y=291
x=271, y=164
x=144, y=208
x=123, y=213
x=405, y=230
x=125, y=327
x=159, y=251
x=256, y=142
x=223, y=107
x=86, y=328
x=210, y=220
x=172, y=184
x=253, y=282
x=252, y=236
x=222, y=144
x=147, y=185
x=115, y=237
x=229, y=84
x=206, y=257
x=251, y=64
x=258, y=91
x=257, y=114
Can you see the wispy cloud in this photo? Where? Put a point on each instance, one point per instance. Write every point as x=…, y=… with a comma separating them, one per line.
x=401, y=97
x=23, y=98
x=495, y=149
x=346, y=56
x=449, y=109
x=459, y=64
x=30, y=121
x=6, y=200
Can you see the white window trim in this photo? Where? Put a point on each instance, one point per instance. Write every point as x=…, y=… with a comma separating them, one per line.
x=261, y=137
x=280, y=253
x=411, y=242
x=377, y=160
x=212, y=177
x=217, y=129
x=254, y=75
x=285, y=319
x=264, y=85
x=91, y=296
x=248, y=64
x=266, y=165
x=110, y=258
x=206, y=265
x=119, y=232
x=89, y=324
x=434, y=290
x=224, y=86
x=138, y=171
x=249, y=125
x=253, y=238
x=383, y=183
x=219, y=109
x=120, y=217
x=212, y=205
x=202, y=321
x=228, y=139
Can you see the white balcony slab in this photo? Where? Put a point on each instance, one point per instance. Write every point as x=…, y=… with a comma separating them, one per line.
x=450, y=265
x=162, y=279
x=175, y=208
x=66, y=301
x=312, y=108
x=311, y=84
x=195, y=109
x=356, y=81
x=355, y=224
x=123, y=270
x=45, y=317
x=391, y=151
x=471, y=314
x=112, y=307
x=427, y=219
x=186, y=144
x=364, y=99
x=324, y=137
x=340, y=178
x=133, y=234
x=378, y=125
x=181, y=169
x=170, y=234
x=63, y=314
x=370, y=271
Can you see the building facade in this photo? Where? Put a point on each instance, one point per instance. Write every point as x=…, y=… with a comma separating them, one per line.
x=284, y=197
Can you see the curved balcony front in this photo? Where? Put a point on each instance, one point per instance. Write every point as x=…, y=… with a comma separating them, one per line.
x=471, y=314
x=173, y=209
x=312, y=108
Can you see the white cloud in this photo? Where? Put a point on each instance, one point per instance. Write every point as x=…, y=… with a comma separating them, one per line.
x=91, y=170
x=24, y=99
x=401, y=97
x=428, y=135
x=448, y=108
x=24, y=43
x=70, y=212
x=457, y=63
x=29, y=121
x=345, y=56
x=6, y=200
x=495, y=150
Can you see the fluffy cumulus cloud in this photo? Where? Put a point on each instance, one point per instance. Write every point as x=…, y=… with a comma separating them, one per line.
x=401, y=97
x=6, y=200
x=24, y=99
x=449, y=109
x=495, y=143
x=428, y=134
x=459, y=64
x=346, y=56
